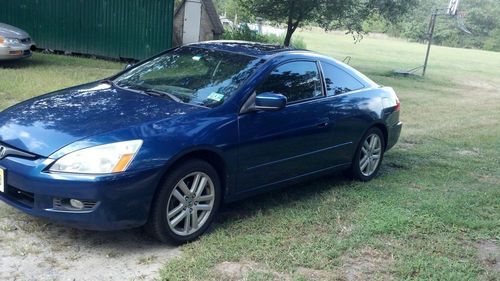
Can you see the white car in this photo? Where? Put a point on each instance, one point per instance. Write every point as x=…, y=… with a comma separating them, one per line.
x=15, y=43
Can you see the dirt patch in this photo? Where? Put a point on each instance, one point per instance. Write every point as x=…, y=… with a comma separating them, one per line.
x=490, y=179
x=315, y=274
x=396, y=166
x=488, y=253
x=406, y=145
x=409, y=143
x=476, y=83
x=415, y=186
x=368, y=264
x=472, y=153
x=36, y=249
x=236, y=271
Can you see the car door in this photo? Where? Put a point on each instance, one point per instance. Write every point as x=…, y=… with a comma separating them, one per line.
x=349, y=108
x=279, y=145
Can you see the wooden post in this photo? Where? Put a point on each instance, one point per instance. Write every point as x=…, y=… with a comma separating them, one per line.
x=432, y=26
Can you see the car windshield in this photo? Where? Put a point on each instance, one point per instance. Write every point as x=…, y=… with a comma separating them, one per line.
x=192, y=75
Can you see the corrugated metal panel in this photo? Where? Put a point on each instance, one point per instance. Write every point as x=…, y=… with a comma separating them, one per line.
x=112, y=28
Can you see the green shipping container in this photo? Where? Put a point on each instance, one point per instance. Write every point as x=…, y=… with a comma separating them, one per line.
x=130, y=29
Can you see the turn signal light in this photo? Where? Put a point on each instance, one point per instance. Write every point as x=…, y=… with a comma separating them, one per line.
x=123, y=163
x=398, y=104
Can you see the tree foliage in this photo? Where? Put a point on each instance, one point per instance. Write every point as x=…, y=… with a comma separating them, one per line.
x=481, y=18
x=244, y=33
x=233, y=11
x=329, y=14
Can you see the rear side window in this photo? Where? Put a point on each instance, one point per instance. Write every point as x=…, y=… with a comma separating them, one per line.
x=338, y=81
x=296, y=80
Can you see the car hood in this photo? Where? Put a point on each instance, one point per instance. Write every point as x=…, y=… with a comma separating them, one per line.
x=47, y=123
x=10, y=31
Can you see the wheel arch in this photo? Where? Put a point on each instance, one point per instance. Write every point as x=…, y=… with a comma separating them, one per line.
x=207, y=154
x=384, y=130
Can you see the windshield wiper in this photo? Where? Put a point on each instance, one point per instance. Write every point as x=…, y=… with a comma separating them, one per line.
x=149, y=92
x=161, y=94
x=109, y=82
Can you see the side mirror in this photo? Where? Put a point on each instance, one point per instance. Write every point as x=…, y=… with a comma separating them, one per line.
x=270, y=101
x=128, y=66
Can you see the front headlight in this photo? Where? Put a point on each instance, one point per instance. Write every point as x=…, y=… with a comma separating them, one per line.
x=9, y=41
x=102, y=159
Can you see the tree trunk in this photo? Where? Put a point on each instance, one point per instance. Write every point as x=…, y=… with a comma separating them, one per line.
x=288, y=37
x=292, y=26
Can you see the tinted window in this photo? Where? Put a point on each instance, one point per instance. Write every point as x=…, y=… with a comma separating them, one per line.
x=296, y=80
x=194, y=75
x=339, y=81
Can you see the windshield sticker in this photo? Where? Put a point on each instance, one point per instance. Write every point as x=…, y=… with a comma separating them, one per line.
x=197, y=58
x=215, y=96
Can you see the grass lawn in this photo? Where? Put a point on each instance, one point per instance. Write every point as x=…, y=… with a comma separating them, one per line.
x=432, y=214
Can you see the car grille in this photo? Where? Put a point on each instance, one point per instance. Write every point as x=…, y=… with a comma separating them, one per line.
x=6, y=151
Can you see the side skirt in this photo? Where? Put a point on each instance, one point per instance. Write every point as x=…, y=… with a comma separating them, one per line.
x=283, y=183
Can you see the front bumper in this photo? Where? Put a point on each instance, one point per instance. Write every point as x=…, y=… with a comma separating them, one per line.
x=121, y=200
x=15, y=52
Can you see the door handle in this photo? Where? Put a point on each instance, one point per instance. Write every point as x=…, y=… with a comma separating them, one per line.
x=323, y=124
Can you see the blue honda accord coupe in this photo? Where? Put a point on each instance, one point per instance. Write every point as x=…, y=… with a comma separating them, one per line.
x=165, y=142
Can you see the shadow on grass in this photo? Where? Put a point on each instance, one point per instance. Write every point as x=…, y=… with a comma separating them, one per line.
x=138, y=240
x=25, y=63
x=26, y=227
x=288, y=195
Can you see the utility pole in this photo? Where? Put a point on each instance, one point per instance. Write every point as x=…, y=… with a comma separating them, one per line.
x=430, y=36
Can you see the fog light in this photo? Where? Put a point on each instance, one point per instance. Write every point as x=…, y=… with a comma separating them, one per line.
x=77, y=204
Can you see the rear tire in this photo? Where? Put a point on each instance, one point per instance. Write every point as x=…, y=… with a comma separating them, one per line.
x=186, y=203
x=369, y=155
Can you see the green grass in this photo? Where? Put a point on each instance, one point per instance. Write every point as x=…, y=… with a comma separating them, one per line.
x=437, y=197
x=41, y=74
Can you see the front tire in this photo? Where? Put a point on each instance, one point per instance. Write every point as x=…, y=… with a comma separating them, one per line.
x=186, y=203
x=369, y=154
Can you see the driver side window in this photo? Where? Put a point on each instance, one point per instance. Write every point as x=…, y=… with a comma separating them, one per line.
x=296, y=80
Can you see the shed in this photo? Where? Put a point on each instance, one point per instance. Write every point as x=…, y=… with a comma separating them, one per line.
x=132, y=29
x=196, y=20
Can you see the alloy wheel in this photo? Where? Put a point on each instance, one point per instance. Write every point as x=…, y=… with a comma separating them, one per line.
x=190, y=203
x=371, y=153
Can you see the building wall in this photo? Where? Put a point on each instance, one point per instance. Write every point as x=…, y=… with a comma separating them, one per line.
x=132, y=29
x=206, y=26
x=178, y=26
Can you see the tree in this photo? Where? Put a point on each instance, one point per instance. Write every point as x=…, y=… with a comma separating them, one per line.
x=329, y=14
x=232, y=10
x=481, y=18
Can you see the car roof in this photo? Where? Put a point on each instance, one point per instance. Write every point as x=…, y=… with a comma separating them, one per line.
x=268, y=51
x=243, y=47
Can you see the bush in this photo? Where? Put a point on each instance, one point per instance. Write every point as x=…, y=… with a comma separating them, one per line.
x=244, y=33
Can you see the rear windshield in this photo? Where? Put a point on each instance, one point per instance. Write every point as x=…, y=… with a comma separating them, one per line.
x=194, y=75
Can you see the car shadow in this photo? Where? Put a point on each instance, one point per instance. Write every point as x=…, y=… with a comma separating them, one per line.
x=33, y=61
x=284, y=196
x=138, y=241
x=133, y=239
